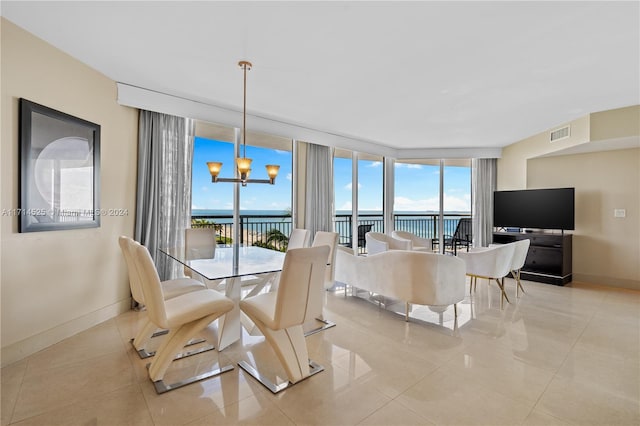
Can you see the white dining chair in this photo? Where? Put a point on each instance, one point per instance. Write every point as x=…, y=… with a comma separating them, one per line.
x=199, y=243
x=170, y=289
x=183, y=316
x=280, y=315
x=317, y=300
x=299, y=238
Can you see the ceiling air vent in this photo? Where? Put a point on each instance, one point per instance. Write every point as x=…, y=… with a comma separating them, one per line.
x=558, y=134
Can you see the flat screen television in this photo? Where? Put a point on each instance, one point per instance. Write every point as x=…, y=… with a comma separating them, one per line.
x=535, y=208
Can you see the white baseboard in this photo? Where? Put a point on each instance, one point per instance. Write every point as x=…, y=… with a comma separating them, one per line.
x=22, y=349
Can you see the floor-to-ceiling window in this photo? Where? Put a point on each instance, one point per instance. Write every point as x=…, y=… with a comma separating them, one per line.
x=457, y=188
x=212, y=204
x=416, y=204
x=264, y=210
x=370, y=189
x=342, y=193
x=456, y=197
x=358, y=179
x=431, y=196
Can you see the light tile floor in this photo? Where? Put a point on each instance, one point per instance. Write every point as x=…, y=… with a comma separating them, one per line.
x=555, y=356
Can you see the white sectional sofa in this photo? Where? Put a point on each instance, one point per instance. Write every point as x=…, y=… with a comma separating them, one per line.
x=413, y=277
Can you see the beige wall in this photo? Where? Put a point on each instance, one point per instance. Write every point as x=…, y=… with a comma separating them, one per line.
x=587, y=133
x=55, y=284
x=615, y=124
x=606, y=249
x=512, y=166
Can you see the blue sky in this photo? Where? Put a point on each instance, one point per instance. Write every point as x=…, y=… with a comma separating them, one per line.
x=219, y=196
x=417, y=186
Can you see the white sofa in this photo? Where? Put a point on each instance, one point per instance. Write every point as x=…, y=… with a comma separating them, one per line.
x=413, y=277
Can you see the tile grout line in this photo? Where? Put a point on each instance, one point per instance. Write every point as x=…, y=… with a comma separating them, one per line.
x=555, y=373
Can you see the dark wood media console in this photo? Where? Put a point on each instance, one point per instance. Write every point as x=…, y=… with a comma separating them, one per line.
x=549, y=257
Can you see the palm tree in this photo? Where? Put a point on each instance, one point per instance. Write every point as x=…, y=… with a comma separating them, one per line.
x=204, y=223
x=276, y=237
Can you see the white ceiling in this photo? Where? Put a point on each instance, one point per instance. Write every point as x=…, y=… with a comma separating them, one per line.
x=405, y=75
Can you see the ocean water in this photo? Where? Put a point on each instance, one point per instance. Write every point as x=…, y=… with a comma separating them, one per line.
x=423, y=224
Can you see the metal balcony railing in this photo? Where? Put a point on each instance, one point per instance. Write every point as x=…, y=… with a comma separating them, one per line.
x=272, y=231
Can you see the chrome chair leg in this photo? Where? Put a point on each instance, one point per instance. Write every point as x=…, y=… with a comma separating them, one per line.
x=313, y=369
x=326, y=325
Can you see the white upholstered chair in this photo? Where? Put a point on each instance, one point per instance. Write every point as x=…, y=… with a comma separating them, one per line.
x=315, y=312
x=170, y=289
x=183, y=316
x=378, y=242
x=299, y=238
x=280, y=315
x=521, y=248
x=417, y=243
x=492, y=263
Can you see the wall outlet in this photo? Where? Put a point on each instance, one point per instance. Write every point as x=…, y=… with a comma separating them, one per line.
x=619, y=213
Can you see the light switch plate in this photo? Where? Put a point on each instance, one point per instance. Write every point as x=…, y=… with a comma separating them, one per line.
x=619, y=213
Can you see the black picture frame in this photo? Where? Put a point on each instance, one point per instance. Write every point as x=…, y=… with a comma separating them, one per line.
x=59, y=170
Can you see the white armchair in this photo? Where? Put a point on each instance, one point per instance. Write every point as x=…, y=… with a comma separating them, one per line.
x=378, y=243
x=418, y=243
x=492, y=263
x=521, y=248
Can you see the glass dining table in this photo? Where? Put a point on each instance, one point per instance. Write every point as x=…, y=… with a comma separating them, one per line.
x=236, y=265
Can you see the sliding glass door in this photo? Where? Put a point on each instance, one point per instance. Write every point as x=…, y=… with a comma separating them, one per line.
x=416, y=204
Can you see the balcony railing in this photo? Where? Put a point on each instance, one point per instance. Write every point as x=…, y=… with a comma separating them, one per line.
x=272, y=231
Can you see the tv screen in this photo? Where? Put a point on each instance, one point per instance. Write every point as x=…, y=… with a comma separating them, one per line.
x=535, y=208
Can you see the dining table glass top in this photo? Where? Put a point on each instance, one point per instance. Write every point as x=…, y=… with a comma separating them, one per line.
x=230, y=261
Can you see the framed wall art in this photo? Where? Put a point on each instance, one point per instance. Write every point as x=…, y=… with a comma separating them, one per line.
x=59, y=170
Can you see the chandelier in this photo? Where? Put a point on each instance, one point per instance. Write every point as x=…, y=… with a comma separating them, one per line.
x=243, y=164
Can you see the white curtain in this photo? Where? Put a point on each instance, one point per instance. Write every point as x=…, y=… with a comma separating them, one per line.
x=483, y=183
x=319, y=194
x=163, y=204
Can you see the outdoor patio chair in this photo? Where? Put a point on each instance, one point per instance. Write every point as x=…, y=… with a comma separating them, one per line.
x=462, y=236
